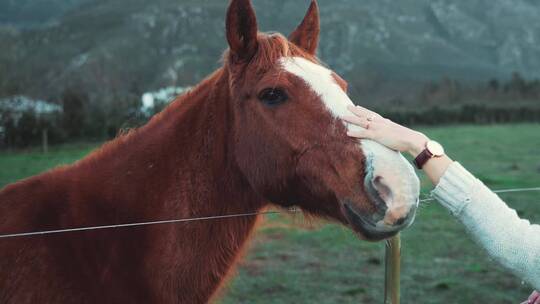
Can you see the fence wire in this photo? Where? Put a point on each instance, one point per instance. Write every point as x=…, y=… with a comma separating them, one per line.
x=185, y=220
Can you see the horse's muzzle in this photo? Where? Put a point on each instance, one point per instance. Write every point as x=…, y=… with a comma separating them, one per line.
x=370, y=230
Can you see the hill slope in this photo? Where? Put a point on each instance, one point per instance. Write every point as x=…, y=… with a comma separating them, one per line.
x=381, y=47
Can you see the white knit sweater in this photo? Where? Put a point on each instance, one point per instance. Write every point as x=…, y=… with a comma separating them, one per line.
x=511, y=241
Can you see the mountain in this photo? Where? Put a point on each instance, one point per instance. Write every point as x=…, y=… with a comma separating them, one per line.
x=384, y=48
x=35, y=13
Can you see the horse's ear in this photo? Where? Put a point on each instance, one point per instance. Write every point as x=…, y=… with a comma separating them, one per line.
x=306, y=34
x=241, y=29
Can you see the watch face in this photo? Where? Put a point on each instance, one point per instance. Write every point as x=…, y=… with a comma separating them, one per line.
x=435, y=148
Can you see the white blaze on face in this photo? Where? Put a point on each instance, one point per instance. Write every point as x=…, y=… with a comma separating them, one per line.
x=395, y=170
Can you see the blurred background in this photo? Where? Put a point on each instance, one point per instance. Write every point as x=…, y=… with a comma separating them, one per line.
x=75, y=73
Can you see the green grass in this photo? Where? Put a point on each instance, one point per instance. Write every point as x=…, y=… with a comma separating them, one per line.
x=20, y=164
x=293, y=262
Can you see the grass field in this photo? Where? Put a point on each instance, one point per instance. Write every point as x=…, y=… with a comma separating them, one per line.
x=295, y=262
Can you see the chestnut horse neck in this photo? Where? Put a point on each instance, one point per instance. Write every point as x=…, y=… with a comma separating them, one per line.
x=190, y=139
x=189, y=144
x=177, y=166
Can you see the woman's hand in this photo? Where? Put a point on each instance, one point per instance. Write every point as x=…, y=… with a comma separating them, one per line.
x=534, y=298
x=396, y=137
x=385, y=131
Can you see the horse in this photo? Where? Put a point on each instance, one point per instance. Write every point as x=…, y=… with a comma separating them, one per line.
x=264, y=129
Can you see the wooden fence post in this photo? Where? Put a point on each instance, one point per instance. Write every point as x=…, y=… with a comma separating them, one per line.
x=392, y=270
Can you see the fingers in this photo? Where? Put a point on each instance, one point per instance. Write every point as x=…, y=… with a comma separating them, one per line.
x=534, y=298
x=362, y=122
x=367, y=134
x=362, y=112
x=364, y=118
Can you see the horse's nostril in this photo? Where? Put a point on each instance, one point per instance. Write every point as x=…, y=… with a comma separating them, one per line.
x=383, y=190
x=400, y=221
x=403, y=220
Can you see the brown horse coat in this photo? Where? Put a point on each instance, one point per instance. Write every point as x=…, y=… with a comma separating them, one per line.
x=222, y=148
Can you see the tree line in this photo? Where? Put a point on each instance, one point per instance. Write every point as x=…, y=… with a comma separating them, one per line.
x=87, y=116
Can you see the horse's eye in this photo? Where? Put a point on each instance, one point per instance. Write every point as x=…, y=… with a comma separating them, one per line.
x=273, y=96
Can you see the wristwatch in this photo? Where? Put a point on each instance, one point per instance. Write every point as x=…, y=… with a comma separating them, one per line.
x=433, y=149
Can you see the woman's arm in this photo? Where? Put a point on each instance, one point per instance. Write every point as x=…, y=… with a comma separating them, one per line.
x=513, y=242
x=510, y=240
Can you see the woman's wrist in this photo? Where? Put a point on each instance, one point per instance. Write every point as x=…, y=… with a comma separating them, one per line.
x=417, y=143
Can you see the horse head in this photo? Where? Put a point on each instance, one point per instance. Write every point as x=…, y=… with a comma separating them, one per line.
x=288, y=137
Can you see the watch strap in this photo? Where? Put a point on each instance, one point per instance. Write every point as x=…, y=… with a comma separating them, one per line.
x=422, y=158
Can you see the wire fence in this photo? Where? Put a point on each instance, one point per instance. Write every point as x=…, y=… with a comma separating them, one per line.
x=205, y=218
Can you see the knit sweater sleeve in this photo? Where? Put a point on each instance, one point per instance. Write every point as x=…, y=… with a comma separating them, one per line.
x=510, y=240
